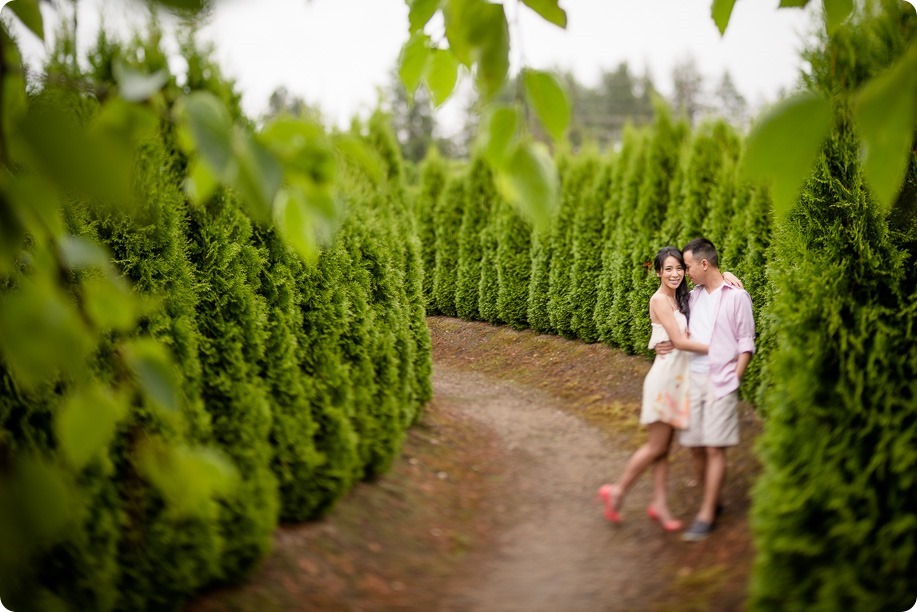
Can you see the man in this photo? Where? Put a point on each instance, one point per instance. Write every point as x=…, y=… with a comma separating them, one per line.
x=721, y=317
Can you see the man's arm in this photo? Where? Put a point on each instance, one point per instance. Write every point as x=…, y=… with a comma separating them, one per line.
x=745, y=333
x=741, y=364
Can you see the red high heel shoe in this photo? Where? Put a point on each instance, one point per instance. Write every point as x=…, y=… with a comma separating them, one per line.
x=670, y=525
x=606, y=492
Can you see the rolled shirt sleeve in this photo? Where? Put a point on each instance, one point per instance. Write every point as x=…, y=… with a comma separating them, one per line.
x=733, y=334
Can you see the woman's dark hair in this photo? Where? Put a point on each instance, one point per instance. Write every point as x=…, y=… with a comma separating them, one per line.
x=681, y=293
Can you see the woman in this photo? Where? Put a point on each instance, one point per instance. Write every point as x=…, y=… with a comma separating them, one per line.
x=665, y=391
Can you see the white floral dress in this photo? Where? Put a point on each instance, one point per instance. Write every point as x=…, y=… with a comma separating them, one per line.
x=665, y=388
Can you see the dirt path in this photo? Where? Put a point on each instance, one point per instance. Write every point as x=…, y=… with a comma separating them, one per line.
x=492, y=504
x=558, y=552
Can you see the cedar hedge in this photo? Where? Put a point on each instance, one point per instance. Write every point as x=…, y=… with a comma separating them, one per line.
x=299, y=378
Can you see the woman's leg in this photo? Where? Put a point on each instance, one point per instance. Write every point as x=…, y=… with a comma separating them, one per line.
x=656, y=447
x=660, y=503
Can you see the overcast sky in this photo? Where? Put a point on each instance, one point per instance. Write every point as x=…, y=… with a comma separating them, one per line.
x=338, y=53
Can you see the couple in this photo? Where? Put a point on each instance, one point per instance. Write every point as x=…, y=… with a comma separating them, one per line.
x=693, y=383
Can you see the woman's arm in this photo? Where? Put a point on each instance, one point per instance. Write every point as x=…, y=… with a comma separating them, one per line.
x=732, y=279
x=666, y=317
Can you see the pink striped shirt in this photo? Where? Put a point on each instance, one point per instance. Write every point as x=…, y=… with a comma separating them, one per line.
x=733, y=334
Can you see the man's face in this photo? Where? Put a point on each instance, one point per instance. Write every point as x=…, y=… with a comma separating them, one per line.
x=694, y=268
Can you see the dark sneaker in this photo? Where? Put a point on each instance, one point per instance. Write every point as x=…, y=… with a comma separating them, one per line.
x=699, y=530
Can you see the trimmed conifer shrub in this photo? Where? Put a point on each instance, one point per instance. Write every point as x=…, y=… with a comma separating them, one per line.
x=587, y=254
x=625, y=251
x=514, y=265
x=292, y=427
x=479, y=198
x=161, y=557
x=412, y=341
x=489, y=287
x=432, y=186
x=664, y=148
x=540, y=282
x=833, y=510
x=421, y=383
x=609, y=192
x=575, y=193
x=750, y=255
x=391, y=343
x=231, y=318
x=712, y=145
x=323, y=364
x=448, y=221
x=732, y=246
x=724, y=212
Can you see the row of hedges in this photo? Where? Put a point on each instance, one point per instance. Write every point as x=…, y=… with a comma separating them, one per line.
x=835, y=510
x=834, y=290
x=302, y=376
x=587, y=277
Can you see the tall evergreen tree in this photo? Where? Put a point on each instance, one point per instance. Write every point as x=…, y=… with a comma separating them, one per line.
x=432, y=186
x=448, y=216
x=479, y=198
x=576, y=190
x=327, y=377
x=489, y=285
x=713, y=144
x=834, y=505
x=609, y=190
x=663, y=151
x=514, y=265
x=540, y=282
x=587, y=255
x=833, y=510
x=542, y=255
x=625, y=255
x=292, y=428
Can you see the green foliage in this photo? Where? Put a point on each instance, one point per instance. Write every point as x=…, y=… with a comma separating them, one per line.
x=433, y=183
x=447, y=218
x=322, y=361
x=292, y=427
x=162, y=555
x=624, y=264
x=746, y=253
x=232, y=321
x=575, y=195
x=609, y=192
x=664, y=148
x=849, y=56
x=549, y=101
x=806, y=119
x=587, y=254
x=714, y=145
x=514, y=265
x=489, y=286
x=479, y=201
x=834, y=508
x=540, y=282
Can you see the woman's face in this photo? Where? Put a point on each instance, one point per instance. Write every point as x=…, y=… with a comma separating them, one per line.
x=672, y=272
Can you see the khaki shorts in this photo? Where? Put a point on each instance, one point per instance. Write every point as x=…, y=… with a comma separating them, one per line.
x=712, y=422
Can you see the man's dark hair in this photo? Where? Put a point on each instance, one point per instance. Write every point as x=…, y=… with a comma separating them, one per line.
x=703, y=249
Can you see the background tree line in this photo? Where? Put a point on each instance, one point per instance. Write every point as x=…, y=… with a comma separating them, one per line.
x=599, y=113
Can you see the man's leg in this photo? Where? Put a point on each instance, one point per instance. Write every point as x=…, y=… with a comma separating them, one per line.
x=721, y=429
x=700, y=464
x=713, y=482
